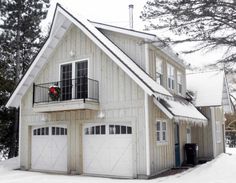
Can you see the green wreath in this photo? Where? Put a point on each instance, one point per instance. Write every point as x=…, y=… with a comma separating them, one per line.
x=54, y=92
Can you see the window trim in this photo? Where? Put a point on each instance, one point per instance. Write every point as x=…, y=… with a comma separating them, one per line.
x=159, y=73
x=172, y=78
x=73, y=62
x=161, y=142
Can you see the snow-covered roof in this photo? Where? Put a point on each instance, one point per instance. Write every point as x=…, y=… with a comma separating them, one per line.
x=181, y=110
x=207, y=87
x=210, y=88
x=60, y=24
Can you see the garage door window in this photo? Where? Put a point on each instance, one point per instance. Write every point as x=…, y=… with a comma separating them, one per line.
x=41, y=131
x=95, y=130
x=118, y=129
x=59, y=131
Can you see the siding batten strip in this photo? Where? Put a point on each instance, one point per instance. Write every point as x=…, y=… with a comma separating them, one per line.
x=146, y=109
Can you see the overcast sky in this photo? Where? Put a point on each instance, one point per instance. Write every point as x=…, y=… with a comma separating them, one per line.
x=117, y=13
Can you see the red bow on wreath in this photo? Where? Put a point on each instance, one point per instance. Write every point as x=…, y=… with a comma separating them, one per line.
x=54, y=92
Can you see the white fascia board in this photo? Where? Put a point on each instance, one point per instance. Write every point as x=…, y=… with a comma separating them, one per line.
x=162, y=108
x=33, y=70
x=124, y=31
x=122, y=60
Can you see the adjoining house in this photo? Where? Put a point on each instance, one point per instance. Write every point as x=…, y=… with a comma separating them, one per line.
x=210, y=94
x=103, y=100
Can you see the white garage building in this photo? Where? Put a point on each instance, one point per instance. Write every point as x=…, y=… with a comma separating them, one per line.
x=91, y=103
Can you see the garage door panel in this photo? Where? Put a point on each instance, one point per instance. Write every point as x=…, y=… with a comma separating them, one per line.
x=49, y=148
x=109, y=153
x=96, y=154
x=121, y=163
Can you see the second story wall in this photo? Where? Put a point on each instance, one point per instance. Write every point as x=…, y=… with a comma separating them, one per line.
x=135, y=48
x=159, y=62
x=130, y=45
x=114, y=84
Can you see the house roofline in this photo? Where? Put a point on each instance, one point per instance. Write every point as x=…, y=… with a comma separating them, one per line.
x=150, y=38
x=140, y=80
x=131, y=32
x=32, y=60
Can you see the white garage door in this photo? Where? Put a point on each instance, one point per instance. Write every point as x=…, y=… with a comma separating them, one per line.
x=49, y=148
x=107, y=150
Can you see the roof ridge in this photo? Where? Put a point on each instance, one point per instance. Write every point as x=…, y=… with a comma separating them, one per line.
x=206, y=71
x=124, y=28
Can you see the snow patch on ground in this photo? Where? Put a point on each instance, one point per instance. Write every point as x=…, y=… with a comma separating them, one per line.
x=220, y=170
x=10, y=164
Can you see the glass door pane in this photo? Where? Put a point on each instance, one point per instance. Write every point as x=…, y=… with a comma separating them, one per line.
x=81, y=82
x=66, y=82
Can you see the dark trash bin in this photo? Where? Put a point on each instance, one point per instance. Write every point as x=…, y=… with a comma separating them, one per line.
x=191, y=153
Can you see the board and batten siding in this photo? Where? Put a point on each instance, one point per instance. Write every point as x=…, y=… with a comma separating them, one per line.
x=156, y=53
x=132, y=46
x=120, y=99
x=182, y=140
x=219, y=117
x=162, y=155
x=203, y=135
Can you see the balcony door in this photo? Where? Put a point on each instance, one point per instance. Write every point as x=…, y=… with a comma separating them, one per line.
x=66, y=82
x=74, y=80
x=81, y=82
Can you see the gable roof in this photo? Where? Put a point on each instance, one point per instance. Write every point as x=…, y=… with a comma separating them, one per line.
x=208, y=88
x=61, y=22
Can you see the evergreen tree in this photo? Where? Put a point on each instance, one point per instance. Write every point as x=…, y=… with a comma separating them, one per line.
x=20, y=40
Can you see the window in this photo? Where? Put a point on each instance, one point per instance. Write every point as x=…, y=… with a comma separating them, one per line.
x=170, y=77
x=74, y=82
x=95, y=130
x=113, y=130
x=218, y=132
x=159, y=71
x=118, y=129
x=41, y=131
x=81, y=84
x=179, y=82
x=59, y=131
x=161, y=131
x=66, y=82
x=188, y=134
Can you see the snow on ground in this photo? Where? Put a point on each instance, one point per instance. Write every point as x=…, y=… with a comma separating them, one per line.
x=220, y=170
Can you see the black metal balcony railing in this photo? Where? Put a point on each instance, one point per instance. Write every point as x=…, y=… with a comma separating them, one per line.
x=79, y=88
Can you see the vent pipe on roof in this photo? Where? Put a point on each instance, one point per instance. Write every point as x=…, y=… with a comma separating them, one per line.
x=131, y=22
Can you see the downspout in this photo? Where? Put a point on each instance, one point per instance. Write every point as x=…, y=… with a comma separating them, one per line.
x=146, y=110
x=20, y=133
x=213, y=123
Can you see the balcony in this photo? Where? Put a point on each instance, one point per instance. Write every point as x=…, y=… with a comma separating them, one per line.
x=70, y=94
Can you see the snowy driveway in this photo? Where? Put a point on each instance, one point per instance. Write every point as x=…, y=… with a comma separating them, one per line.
x=220, y=170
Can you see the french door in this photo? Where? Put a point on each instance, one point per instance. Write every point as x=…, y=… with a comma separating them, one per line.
x=74, y=80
